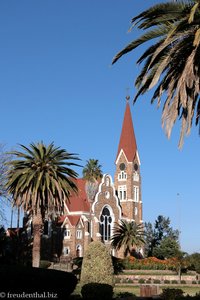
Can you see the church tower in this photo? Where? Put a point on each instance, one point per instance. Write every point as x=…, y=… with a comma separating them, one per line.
x=127, y=174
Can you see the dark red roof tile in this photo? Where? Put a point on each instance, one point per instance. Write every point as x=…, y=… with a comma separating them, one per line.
x=127, y=140
x=79, y=201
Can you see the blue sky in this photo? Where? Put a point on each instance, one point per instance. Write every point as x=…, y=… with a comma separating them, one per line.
x=57, y=84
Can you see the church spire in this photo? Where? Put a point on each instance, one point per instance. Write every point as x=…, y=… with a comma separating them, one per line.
x=127, y=142
x=127, y=174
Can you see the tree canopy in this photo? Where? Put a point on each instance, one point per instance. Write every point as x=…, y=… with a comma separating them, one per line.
x=127, y=235
x=159, y=237
x=171, y=63
x=40, y=180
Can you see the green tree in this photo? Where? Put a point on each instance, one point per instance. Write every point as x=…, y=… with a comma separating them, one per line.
x=171, y=62
x=127, y=235
x=156, y=233
x=193, y=261
x=92, y=170
x=92, y=173
x=168, y=248
x=40, y=180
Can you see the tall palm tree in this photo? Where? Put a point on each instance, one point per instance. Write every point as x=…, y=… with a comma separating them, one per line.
x=40, y=180
x=127, y=235
x=92, y=173
x=92, y=170
x=172, y=62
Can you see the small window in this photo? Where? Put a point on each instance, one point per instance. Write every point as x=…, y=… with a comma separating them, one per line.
x=79, y=234
x=136, y=176
x=88, y=226
x=66, y=251
x=78, y=251
x=66, y=233
x=136, y=193
x=122, y=176
x=122, y=192
x=136, y=211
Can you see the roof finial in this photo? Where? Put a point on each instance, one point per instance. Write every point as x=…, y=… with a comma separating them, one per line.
x=127, y=96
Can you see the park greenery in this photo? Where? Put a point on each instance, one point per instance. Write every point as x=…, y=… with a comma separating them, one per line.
x=40, y=179
x=97, y=273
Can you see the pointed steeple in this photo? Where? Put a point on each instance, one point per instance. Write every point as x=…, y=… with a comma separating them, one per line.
x=127, y=139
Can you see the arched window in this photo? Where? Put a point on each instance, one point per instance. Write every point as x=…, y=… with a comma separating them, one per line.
x=78, y=251
x=105, y=224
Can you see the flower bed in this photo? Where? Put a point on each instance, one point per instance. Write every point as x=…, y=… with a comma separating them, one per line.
x=150, y=263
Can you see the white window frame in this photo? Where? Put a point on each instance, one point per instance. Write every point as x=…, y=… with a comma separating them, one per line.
x=79, y=234
x=122, y=192
x=136, y=211
x=66, y=233
x=66, y=250
x=136, y=176
x=122, y=176
x=136, y=193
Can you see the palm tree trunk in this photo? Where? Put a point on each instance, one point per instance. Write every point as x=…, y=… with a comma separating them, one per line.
x=37, y=232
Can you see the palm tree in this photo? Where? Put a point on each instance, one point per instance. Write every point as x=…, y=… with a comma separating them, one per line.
x=40, y=180
x=171, y=63
x=92, y=170
x=92, y=173
x=127, y=235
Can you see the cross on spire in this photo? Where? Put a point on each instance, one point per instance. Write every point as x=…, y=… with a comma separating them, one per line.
x=127, y=96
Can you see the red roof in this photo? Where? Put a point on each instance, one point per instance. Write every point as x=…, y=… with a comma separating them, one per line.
x=74, y=220
x=61, y=219
x=127, y=140
x=79, y=201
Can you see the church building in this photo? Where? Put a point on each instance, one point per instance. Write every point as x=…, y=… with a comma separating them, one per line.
x=93, y=212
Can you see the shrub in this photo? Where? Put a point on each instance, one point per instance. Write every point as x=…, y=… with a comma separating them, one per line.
x=194, y=282
x=45, y=264
x=183, y=282
x=166, y=281
x=171, y=294
x=97, y=265
x=127, y=280
x=148, y=281
x=97, y=291
x=174, y=281
x=118, y=280
x=125, y=295
x=156, y=281
x=117, y=265
x=97, y=274
x=141, y=280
